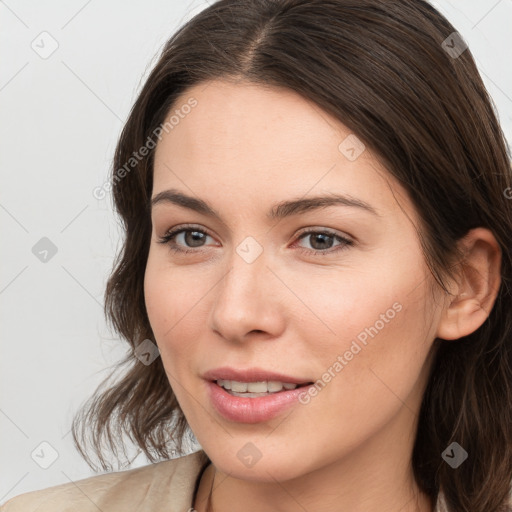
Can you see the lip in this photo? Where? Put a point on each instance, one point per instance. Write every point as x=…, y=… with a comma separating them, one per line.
x=251, y=375
x=252, y=410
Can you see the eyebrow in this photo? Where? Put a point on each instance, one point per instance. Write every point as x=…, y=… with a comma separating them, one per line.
x=278, y=211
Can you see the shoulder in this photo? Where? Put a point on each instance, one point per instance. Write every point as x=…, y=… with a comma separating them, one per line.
x=166, y=485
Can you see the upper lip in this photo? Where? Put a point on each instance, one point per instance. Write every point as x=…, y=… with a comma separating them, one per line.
x=251, y=375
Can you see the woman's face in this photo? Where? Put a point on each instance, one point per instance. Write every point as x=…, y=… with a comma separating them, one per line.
x=261, y=291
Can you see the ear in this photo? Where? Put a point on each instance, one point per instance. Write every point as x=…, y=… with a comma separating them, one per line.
x=476, y=288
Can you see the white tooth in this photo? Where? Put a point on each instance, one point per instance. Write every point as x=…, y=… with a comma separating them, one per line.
x=226, y=384
x=257, y=387
x=239, y=387
x=274, y=386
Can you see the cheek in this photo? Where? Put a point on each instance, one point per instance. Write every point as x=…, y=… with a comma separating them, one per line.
x=370, y=329
x=173, y=298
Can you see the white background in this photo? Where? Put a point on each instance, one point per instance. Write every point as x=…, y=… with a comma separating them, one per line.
x=60, y=119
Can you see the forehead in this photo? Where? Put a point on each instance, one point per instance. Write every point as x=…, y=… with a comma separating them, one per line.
x=231, y=118
x=248, y=141
x=251, y=117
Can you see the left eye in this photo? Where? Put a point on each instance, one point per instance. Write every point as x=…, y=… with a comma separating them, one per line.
x=194, y=236
x=319, y=238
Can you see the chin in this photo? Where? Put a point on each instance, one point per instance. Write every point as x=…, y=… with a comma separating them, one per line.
x=267, y=468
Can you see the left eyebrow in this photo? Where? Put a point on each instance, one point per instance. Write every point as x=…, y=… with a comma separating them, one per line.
x=278, y=211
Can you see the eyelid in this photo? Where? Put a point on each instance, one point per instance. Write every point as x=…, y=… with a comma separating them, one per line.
x=327, y=230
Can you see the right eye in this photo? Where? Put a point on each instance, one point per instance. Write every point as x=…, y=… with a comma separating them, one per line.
x=170, y=238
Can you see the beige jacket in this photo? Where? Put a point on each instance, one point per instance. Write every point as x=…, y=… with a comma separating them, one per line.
x=161, y=487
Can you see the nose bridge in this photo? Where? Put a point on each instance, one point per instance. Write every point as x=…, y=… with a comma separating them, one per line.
x=244, y=298
x=247, y=271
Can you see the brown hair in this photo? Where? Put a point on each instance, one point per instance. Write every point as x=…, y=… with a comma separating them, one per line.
x=382, y=69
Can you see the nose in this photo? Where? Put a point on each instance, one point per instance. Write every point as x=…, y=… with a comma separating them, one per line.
x=248, y=301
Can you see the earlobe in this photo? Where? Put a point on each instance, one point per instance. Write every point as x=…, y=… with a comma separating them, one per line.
x=477, y=287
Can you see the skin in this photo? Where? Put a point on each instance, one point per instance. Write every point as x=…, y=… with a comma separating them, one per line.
x=294, y=312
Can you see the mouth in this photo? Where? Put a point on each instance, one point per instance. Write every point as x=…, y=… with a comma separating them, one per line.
x=257, y=388
x=255, y=401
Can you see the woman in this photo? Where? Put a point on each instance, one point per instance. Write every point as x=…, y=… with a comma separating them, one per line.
x=316, y=271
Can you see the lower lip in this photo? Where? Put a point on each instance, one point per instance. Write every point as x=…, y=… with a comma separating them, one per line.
x=252, y=410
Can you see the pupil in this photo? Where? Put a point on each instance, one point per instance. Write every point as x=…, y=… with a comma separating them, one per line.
x=195, y=236
x=322, y=238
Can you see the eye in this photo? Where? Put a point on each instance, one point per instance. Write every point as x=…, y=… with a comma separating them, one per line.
x=193, y=237
x=319, y=240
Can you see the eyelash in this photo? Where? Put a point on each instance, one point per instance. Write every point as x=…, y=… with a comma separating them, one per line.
x=171, y=235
